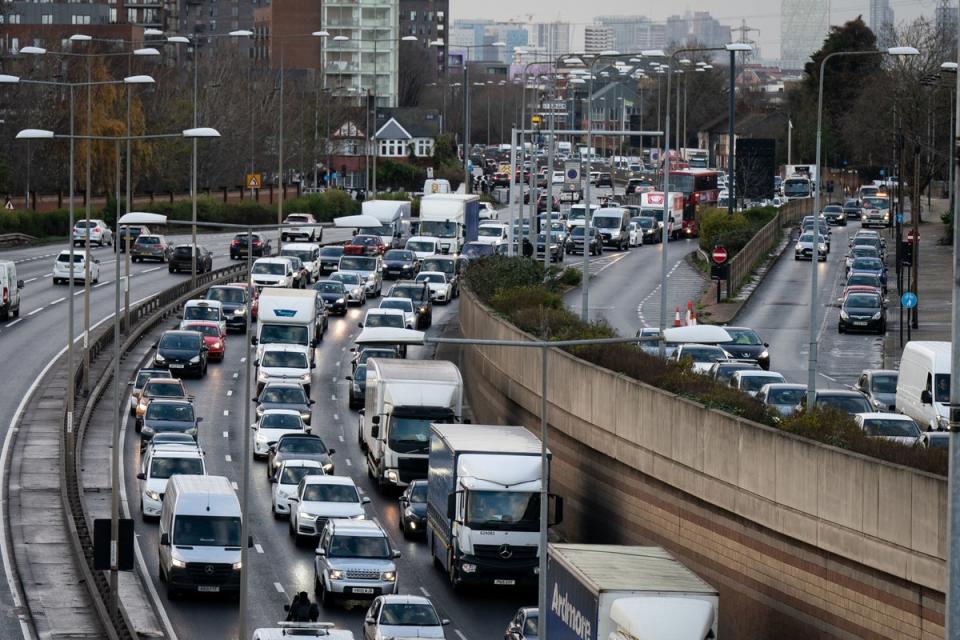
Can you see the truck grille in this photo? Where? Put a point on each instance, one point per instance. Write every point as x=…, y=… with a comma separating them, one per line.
x=496, y=551
x=209, y=573
x=412, y=469
x=363, y=574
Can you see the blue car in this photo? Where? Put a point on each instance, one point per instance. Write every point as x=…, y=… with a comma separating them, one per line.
x=869, y=265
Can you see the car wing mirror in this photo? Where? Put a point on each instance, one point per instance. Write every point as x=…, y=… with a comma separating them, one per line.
x=141, y=476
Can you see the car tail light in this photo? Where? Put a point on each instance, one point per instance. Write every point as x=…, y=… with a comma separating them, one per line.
x=257, y=243
x=235, y=243
x=96, y=229
x=6, y=293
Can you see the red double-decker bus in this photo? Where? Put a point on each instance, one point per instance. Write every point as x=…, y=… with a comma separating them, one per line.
x=699, y=189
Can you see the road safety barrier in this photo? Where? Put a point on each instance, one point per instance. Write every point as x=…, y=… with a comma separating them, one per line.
x=742, y=264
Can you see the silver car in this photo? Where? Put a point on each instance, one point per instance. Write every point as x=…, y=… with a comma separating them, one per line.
x=784, y=397
x=354, y=561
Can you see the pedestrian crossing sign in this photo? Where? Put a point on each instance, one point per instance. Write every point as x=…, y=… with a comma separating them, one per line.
x=253, y=181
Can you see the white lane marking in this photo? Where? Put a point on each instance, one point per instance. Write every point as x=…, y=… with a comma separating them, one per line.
x=78, y=293
x=235, y=487
x=32, y=279
x=243, y=359
x=341, y=439
x=10, y=324
x=333, y=379
x=102, y=284
x=226, y=434
x=343, y=348
x=226, y=412
x=258, y=547
x=460, y=635
x=335, y=416
x=347, y=460
x=229, y=392
x=151, y=270
x=228, y=458
x=35, y=312
x=58, y=300
x=236, y=375
x=425, y=593
x=333, y=397
x=278, y=587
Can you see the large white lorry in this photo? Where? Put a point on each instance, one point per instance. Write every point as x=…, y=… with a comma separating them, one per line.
x=614, y=592
x=390, y=214
x=403, y=398
x=651, y=204
x=483, y=503
x=452, y=218
x=288, y=316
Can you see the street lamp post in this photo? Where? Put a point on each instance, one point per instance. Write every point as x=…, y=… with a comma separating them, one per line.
x=376, y=150
x=814, y=252
x=953, y=485
x=466, y=110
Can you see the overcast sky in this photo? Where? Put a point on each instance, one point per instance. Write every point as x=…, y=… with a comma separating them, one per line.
x=760, y=14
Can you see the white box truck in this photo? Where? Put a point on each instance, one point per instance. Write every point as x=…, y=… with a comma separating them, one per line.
x=288, y=316
x=483, y=503
x=614, y=592
x=452, y=218
x=651, y=204
x=403, y=398
x=390, y=213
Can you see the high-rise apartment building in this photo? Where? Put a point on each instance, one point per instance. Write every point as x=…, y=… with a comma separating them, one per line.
x=634, y=33
x=597, y=39
x=881, y=21
x=358, y=64
x=428, y=20
x=550, y=37
x=803, y=26
x=699, y=28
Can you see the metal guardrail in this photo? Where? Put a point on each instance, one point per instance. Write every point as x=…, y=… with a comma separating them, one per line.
x=15, y=239
x=742, y=264
x=144, y=317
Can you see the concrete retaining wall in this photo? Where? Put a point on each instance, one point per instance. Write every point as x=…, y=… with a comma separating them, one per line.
x=802, y=539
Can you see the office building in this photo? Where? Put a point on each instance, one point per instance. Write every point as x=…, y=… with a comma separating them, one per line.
x=428, y=20
x=803, y=26
x=697, y=29
x=550, y=37
x=634, y=33
x=597, y=39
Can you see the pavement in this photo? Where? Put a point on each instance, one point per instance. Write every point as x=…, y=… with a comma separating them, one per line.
x=934, y=287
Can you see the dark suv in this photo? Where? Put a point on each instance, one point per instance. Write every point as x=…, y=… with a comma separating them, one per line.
x=181, y=259
x=238, y=246
x=419, y=293
x=181, y=352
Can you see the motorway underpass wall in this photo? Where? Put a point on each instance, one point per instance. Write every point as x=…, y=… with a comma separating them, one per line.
x=802, y=539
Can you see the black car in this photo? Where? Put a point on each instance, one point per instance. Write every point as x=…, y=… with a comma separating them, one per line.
x=747, y=345
x=169, y=416
x=413, y=509
x=330, y=258
x=399, y=264
x=556, y=249
x=851, y=208
x=419, y=292
x=120, y=244
x=334, y=294
x=605, y=179
x=851, y=402
x=650, y=228
x=863, y=312
x=358, y=387
x=181, y=259
x=452, y=266
x=299, y=446
x=261, y=246
x=181, y=352
x=833, y=214
x=575, y=242
x=723, y=372
x=234, y=303
x=361, y=355
x=284, y=395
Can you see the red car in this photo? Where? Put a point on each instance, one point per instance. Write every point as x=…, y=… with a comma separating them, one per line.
x=251, y=293
x=364, y=245
x=213, y=338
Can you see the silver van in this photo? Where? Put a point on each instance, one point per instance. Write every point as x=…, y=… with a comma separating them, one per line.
x=200, y=536
x=9, y=290
x=613, y=223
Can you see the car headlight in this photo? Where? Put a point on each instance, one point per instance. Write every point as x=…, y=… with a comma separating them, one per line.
x=153, y=495
x=195, y=359
x=160, y=358
x=239, y=311
x=799, y=247
x=262, y=376
x=237, y=566
x=844, y=315
x=261, y=439
x=389, y=576
x=179, y=564
x=876, y=316
x=305, y=377
x=217, y=345
x=328, y=468
x=304, y=415
x=340, y=301
x=764, y=354
x=371, y=278
x=260, y=410
x=336, y=574
x=308, y=516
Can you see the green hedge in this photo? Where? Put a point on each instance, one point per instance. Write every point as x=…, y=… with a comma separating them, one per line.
x=515, y=288
x=49, y=224
x=719, y=228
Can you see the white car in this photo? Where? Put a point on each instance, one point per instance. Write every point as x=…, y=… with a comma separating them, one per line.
x=406, y=306
x=891, y=426
x=493, y=233
x=303, y=631
x=273, y=424
x=321, y=498
x=353, y=283
x=309, y=255
x=272, y=272
x=702, y=355
x=204, y=311
x=96, y=231
x=284, y=363
x=62, y=271
x=751, y=381
x=804, y=247
x=440, y=288
x=402, y=616
x=393, y=318
x=301, y=225
x=635, y=232
x=286, y=480
x=159, y=462
x=423, y=246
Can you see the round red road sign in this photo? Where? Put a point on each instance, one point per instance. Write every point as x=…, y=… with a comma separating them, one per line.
x=719, y=255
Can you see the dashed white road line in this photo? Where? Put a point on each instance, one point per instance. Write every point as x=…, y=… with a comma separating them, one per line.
x=278, y=587
x=460, y=635
x=347, y=460
x=102, y=284
x=333, y=397
x=234, y=485
x=236, y=375
x=32, y=279
x=35, y=312
x=341, y=438
x=58, y=300
x=226, y=434
x=10, y=324
x=258, y=547
x=335, y=416
x=151, y=270
x=226, y=412
x=243, y=359
x=229, y=392
x=425, y=593
x=228, y=458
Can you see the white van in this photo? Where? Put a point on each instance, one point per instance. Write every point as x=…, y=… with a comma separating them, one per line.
x=923, y=384
x=613, y=223
x=203, y=311
x=200, y=536
x=436, y=186
x=9, y=290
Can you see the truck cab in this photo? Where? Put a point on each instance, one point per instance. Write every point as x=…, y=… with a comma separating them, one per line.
x=452, y=218
x=290, y=317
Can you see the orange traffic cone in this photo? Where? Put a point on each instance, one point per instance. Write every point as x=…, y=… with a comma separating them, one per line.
x=676, y=317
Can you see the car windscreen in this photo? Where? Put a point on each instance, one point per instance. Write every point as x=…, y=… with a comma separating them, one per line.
x=312, y=446
x=296, y=219
x=368, y=353
x=283, y=395
x=143, y=376
x=410, y=435
x=201, y=313
x=399, y=255
x=206, y=531
x=358, y=263
x=786, y=396
x=430, y=277
x=942, y=382
x=303, y=255
x=419, y=492
x=384, y=320
x=329, y=287
x=360, y=375
x=283, y=334
x=165, y=467
x=359, y=547
x=438, y=228
x=884, y=383
x=702, y=354
x=287, y=359
x=226, y=294
x=330, y=493
x=445, y=266
x=849, y=404
x=404, y=305
x=489, y=232
x=868, y=264
x=65, y=257
x=382, y=230
x=863, y=279
x=270, y=268
x=163, y=390
x=293, y=475
x=408, y=614
x=606, y=222
x=646, y=222
x=183, y=252
x=503, y=510
x=891, y=428
x=180, y=342
x=743, y=336
x=145, y=240
x=365, y=241
x=347, y=278
x=331, y=252
x=407, y=291
x=862, y=301
x=422, y=246
x=724, y=372
x=753, y=383
x=164, y=411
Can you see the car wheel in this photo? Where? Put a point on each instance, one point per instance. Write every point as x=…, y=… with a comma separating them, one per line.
x=171, y=269
x=326, y=600
x=840, y=328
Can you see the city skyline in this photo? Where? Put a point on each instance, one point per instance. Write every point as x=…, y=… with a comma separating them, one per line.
x=764, y=16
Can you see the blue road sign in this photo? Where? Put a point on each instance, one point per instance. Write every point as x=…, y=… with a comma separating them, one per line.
x=908, y=300
x=883, y=172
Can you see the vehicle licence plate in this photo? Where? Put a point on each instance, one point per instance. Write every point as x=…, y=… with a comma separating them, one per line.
x=364, y=590
x=176, y=366
x=206, y=588
x=860, y=324
x=505, y=582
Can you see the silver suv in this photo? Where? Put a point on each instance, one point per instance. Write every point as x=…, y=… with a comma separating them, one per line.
x=354, y=561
